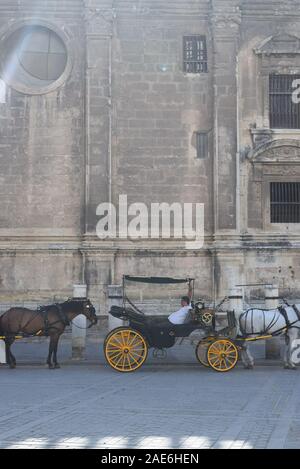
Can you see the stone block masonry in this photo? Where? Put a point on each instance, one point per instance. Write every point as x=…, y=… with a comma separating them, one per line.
x=123, y=121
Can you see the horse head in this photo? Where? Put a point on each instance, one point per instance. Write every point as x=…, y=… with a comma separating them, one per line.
x=90, y=312
x=82, y=306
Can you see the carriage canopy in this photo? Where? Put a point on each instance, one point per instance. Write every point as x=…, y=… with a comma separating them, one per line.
x=157, y=280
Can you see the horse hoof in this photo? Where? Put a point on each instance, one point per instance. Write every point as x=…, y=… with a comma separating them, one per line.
x=51, y=367
x=290, y=367
x=56, y=366
x=248, y=367
x=12, y=366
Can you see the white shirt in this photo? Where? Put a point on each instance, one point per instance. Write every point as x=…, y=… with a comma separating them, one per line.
x=179, y=316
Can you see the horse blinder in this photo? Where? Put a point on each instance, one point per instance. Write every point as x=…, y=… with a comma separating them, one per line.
x=92, y=314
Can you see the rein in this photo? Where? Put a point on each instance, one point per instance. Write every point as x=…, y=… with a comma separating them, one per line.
x=134, y=307
x=82, y=328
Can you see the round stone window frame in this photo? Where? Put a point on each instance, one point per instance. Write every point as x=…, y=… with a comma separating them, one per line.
x=65, y=38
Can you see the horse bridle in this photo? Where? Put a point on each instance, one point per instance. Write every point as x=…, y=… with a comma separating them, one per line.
x=91, y=309
x=64, y=318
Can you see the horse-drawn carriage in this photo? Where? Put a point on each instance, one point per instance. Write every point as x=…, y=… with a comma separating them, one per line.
x=126, y=347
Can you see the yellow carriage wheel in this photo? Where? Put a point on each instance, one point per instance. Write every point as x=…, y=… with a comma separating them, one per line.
x=125, y=349
x=201, y=351
x=222, y=355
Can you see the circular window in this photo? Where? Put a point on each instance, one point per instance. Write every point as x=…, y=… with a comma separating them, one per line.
x=35, y=57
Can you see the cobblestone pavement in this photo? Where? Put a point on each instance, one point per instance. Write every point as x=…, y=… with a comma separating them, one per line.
x=168, y=406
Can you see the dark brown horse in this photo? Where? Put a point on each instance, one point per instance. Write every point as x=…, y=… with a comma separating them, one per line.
x=46, y=321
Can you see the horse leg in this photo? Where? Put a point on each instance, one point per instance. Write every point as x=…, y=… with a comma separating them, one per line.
x=12, y=356
x=291, y=335
x=7, y=353
x=51, y=349
x=9, y=356
x=285, y=353
x=247, y=358
x=56, y=364
x=244, y=357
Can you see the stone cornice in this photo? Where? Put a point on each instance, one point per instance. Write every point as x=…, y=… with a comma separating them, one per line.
x=42, y=7
x=170, y=6
x=146, y=8
x=264, y=9
x=234, y=244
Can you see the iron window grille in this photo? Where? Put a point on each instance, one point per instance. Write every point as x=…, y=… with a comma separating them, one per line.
x=284, y=113
x=285, y=202
x=202, y=144
x=194, y=54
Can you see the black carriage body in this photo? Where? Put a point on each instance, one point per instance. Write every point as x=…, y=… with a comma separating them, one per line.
x=164, y=336
x=157, y=330
x=157, y=337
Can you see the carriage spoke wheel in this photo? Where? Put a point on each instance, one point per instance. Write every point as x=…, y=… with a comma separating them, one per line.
x=222, y=355
x=201, y=351
x=125, y=349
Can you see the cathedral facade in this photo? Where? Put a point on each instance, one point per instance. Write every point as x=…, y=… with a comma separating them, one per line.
x=178, y=101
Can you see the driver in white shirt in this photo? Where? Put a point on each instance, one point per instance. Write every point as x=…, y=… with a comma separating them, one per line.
x=179, y=316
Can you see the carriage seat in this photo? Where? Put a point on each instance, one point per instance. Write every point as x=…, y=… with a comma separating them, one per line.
x=189, y=317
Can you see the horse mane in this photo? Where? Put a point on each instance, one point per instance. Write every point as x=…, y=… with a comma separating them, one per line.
x=73, y=302
x=76, y=299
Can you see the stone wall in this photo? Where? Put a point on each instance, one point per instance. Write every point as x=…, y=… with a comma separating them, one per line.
x=124, y=122
x=42, y=163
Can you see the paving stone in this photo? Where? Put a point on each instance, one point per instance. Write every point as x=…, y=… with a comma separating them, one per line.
x=157, y=407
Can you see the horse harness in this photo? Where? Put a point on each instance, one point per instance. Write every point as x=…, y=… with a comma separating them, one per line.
x=44, y=312
x=281, y=309
x=290, y=324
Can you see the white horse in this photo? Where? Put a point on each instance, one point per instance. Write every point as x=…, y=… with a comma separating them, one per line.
x=284, y=320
